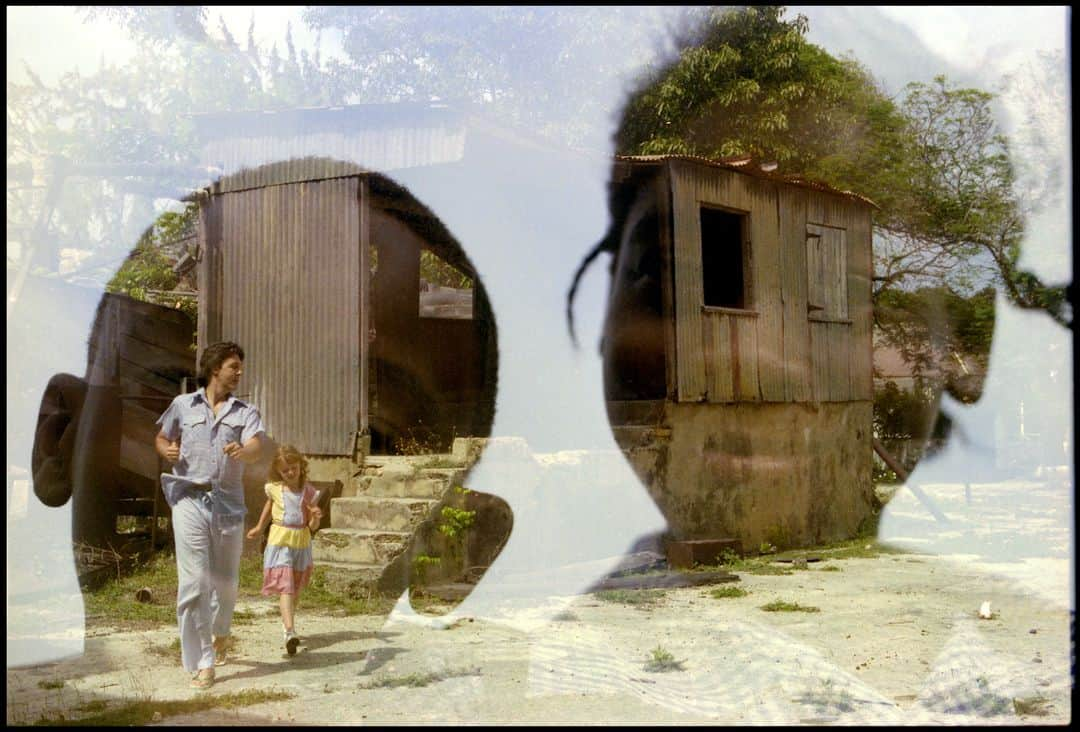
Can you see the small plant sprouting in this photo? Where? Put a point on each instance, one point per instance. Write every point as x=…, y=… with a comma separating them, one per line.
x=631, y=597
x=417, y=680
x=421, y=564
x=780, y=606
x=456, y=521
x=725, y=592
x=662, y=660
x=1034, y=706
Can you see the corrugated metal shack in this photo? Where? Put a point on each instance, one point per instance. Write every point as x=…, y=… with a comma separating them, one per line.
x=739, y=333
x=359, y=312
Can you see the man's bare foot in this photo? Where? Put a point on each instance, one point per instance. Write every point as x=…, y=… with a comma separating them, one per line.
x=221, y=645
x=203, y=679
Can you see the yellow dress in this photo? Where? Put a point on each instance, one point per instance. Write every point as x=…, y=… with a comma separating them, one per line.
x=287, y=561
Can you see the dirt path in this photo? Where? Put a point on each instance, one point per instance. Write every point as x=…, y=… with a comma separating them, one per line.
x=897, y=639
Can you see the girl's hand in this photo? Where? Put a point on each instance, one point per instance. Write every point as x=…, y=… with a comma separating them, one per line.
x=316, y=513
x=254, y=532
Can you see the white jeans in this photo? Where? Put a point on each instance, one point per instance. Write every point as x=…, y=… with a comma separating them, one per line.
x=208, y=576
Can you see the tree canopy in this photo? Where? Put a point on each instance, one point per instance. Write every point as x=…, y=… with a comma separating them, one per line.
x=746, y=81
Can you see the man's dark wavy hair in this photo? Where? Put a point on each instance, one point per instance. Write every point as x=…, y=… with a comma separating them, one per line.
x=215, y=355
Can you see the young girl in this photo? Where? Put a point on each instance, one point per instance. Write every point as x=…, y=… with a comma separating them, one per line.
x=287, y=561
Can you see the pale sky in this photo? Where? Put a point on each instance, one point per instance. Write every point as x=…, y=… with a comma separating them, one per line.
x=987, y=39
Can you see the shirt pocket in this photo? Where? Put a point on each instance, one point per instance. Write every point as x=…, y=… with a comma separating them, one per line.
x=192, y=433
x=232, y=428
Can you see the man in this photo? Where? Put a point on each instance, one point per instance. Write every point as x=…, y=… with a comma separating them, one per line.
x=208, y=436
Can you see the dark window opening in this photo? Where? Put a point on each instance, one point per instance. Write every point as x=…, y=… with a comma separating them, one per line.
x=722, y=258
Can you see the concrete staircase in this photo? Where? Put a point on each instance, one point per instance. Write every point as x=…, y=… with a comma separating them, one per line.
x=374, y=520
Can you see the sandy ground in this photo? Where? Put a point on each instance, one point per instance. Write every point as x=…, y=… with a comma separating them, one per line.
x=897, y=640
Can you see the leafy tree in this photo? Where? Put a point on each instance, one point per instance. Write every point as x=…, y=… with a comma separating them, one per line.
x=149, y=267
x=748, y=82
x=137, y=121
x=940, y=331
x=550, y=70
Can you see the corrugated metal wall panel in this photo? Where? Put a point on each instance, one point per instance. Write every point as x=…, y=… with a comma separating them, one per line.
x=246, y=157
x=290, y=294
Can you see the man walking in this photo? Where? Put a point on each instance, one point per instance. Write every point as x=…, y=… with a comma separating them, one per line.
x=208, y=436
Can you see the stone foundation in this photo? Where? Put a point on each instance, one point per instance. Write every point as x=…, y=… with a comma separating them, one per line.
x=788, y=474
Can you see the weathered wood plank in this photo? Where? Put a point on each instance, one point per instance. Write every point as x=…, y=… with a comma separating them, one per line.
x=717, y=329
x=860, y=271
x=689, y=290
x=817, y=298
x=138, y=423
x=133, y=373
x=133, y=485
x=765, y=253
x=839, y=363
x=791, y=205
x=746, y=334
x=161, y=361
x=662, y=190
x=171, y=337
x=138, y=457
x=819, y=347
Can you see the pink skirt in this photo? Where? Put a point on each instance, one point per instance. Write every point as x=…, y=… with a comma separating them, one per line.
x=285, y=580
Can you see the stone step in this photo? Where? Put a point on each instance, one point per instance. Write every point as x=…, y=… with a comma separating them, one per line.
x=367, y=574
x=383, y=486
x=450, y=475
x=380, y=513
x=358, y=546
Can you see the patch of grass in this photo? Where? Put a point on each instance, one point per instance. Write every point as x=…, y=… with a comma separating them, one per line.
x=1032, y=706
x=95, y=705
x=767, y=568
x=441, y=462
x=322, y=596
x=661, y=660
x=51, y=684
x=243, y=617
x=417, y=680
x=732, y=562
x=724, y=592
x=251, y=576
x=781, y=606
x=171, y=651
x=114, y=602
x=830, y=568
x=142, y=712
x=631, y=597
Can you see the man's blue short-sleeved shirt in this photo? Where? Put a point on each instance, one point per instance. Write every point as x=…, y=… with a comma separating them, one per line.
x=203, y=437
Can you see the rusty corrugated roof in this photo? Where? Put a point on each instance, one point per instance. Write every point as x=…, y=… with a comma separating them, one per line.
x=748, y=165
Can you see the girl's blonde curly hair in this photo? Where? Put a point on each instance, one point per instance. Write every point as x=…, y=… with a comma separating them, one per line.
x=290, y=456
